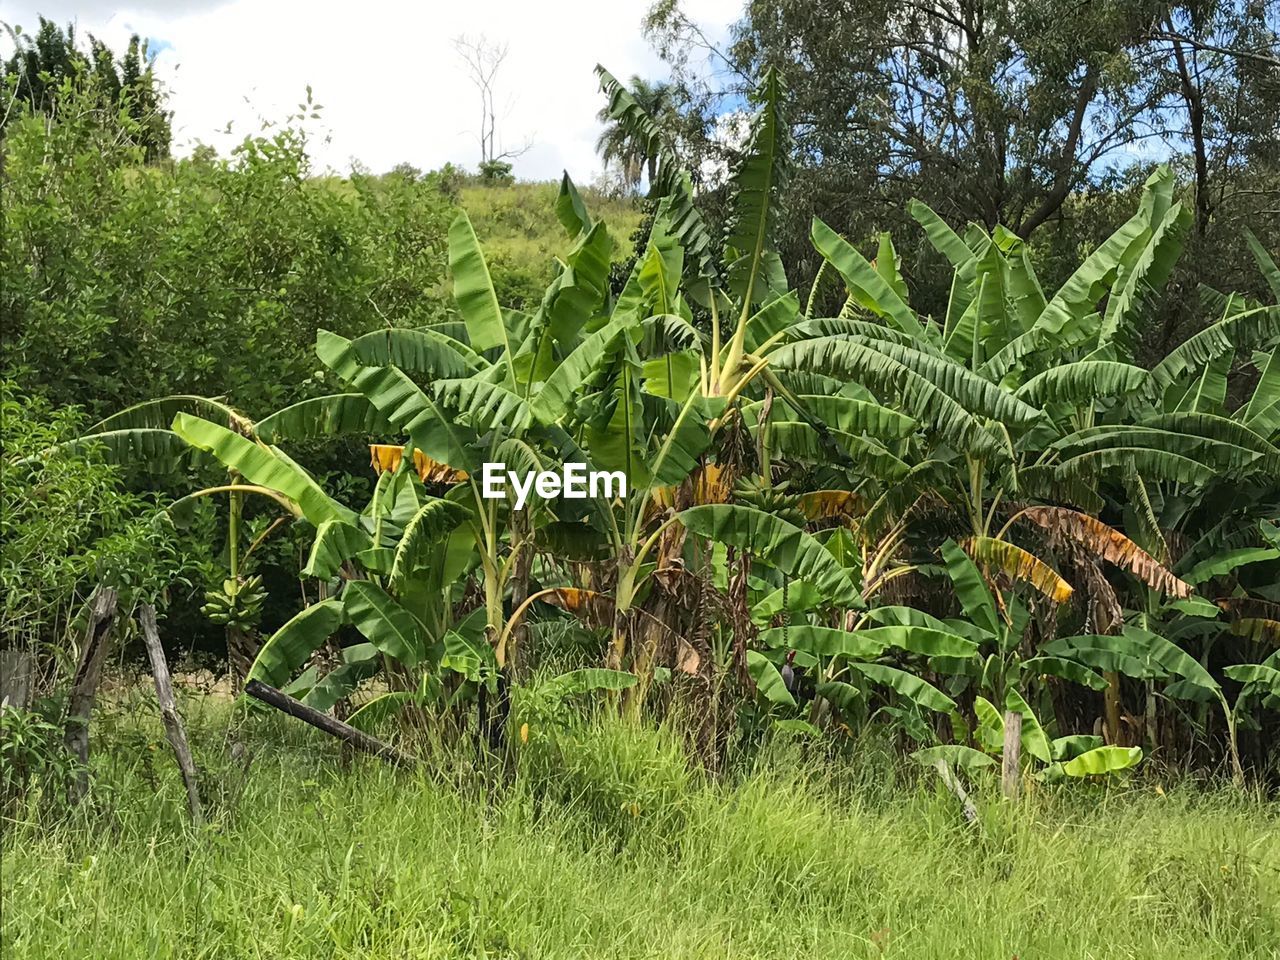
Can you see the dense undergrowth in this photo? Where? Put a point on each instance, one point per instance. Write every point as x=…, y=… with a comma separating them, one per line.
x=619, y=847
x=985, y=532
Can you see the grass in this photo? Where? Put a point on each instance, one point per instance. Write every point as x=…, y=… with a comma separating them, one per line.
x=609, y=845
x=518, y=229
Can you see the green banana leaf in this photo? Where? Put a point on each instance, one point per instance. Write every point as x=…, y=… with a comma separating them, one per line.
x=262, y=465
x=1103, y=760
x=383, y=622
x=779, y=543
x=289, y=647
x=767, y=679
x=907, y=685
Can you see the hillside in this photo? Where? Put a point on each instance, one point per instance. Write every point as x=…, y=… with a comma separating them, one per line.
x=517, y=225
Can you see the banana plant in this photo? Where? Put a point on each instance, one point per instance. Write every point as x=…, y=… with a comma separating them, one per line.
x=142, y=436
x=748, y=308
x=1005, y=675
x=745, y=297
x=478, y=397
x=397, y=575
x=382, y=566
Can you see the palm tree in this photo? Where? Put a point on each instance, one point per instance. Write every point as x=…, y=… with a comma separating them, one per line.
x=635, y=155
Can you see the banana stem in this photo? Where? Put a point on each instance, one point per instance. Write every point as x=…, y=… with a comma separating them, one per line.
x=714, y=381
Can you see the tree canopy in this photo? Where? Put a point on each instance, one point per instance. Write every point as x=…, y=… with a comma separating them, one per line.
x=46, y=65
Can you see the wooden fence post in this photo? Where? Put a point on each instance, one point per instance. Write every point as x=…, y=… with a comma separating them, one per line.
x=1010, y=774
x=17, y=678
x=84, y=687
x=173, y=730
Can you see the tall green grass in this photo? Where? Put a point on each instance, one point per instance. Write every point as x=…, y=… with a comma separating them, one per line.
x=611, y=845
x=516, y=223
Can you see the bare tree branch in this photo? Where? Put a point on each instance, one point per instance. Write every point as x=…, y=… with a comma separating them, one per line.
x=483, y=60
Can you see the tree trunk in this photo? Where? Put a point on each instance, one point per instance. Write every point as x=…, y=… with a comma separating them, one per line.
x=322, y=721
x=84, y=687
x=1069, y=171
x=173, y=729
x=1010, y=772
x=1192, y=94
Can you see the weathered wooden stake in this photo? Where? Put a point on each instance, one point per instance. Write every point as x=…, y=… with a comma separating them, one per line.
x=17, y=678
x=173, y=730
x=1010, y=774
x=322, y=721
x=84, y=687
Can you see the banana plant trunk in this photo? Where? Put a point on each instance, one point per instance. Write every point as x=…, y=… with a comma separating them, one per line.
x=1112, y=703
x=520, y=657
x=491, y=719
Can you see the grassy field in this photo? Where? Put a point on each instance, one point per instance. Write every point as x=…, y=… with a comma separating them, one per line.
x=519, y=230
x=613, y=847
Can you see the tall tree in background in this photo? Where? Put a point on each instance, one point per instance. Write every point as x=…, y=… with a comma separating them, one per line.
x=1025, y=114
x=483, y=60
x=1222, y=60
x=44, y=65
x=635, y=157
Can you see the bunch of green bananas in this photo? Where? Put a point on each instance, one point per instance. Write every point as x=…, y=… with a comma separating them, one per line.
x=773, y=499
x=238, y=604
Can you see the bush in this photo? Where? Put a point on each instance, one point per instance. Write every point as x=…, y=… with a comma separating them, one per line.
x=31, y=754
x=67, y=525
x=120, y=281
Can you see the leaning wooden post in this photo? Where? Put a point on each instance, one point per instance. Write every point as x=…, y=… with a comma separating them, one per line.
x=322, y=721
x=953, y=784
x=84, y=687
x=169, y=710
x=1010, y=774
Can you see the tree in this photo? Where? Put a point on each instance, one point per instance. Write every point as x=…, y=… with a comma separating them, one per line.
x=635, y=157
x=1005, y=113
x=44, y=67
x=483, y=60
x=1222, y=60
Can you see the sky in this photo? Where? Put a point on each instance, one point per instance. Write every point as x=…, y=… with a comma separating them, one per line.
x=392, y=87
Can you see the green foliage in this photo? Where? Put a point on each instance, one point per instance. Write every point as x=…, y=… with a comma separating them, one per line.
x=32, y=755
x=817, y=476
x=67, y=524
x=516, y=232
x=1102, y=760
x=204, y=276
x=288, y=649
x=51, y=73
x=796, y=855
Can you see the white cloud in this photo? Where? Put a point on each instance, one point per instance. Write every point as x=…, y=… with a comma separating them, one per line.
x=392, y=86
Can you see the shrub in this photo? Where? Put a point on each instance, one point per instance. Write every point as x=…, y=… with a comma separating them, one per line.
x=201, y=276
x=67, y=525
